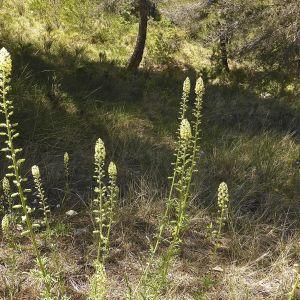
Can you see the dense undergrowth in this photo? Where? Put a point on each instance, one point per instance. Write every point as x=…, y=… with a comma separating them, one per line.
x=70, y=86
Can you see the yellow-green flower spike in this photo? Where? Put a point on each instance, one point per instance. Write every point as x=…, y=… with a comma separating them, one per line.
x=100, y=200
x=175, y=216
x=66, y=159
x=187, y=86
x=112, y=170
x=99, y=150
x=185, y=129
x=6, y=186
x=223, y=195
x=41, y=195
x=67, y=189
x=5, y=223
x=13, y=155
x=185, y=98
x=223, y=199
x=199, y=89
x=104, y=202
x=5, y=63
x=66, y=165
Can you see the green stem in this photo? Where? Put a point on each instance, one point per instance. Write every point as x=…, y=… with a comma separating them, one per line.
x=43, y=200
x=100, y=199
x=178, y=158
x=181, y=213
x=183, y=200
x=112, y=199
x=168, y=207
x=162, y=226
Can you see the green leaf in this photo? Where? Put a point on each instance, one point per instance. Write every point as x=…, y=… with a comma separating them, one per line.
x=17, y=206
x=26, y=232
x=21, y=161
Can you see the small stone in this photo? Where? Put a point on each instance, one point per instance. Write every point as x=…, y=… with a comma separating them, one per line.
x=71, y=213
x=218, y=269
x=80, y=231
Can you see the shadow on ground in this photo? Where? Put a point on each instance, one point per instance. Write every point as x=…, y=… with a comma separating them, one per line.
x=64, y=103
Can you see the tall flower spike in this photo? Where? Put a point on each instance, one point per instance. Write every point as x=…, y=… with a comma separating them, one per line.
x=67, y=191
x=66, y=163
x=223, y=199
x=12, y=154
x=41, y=196
x=112, y=199
x=185, y=98
x=223, y=195
x=197, y=113
x=175, y=214
x=100, y=207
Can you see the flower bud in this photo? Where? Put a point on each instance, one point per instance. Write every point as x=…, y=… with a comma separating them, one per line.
x=66, y=158
x=35, y=171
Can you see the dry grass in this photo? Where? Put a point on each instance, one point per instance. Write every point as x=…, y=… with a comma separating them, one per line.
x=254, y=262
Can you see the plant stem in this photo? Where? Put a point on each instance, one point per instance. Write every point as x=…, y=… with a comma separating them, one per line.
x=18, y=183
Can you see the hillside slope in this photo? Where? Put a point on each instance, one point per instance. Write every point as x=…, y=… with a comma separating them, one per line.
x=70, y=86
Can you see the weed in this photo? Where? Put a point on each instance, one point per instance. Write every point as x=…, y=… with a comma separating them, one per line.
x=12, y=154
x=103, y=210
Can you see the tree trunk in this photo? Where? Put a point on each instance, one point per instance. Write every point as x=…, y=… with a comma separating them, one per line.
x=138, y=52
x=223, y=48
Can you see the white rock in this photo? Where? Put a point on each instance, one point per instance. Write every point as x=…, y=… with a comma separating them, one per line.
x=71, y=213
x=218, y=269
